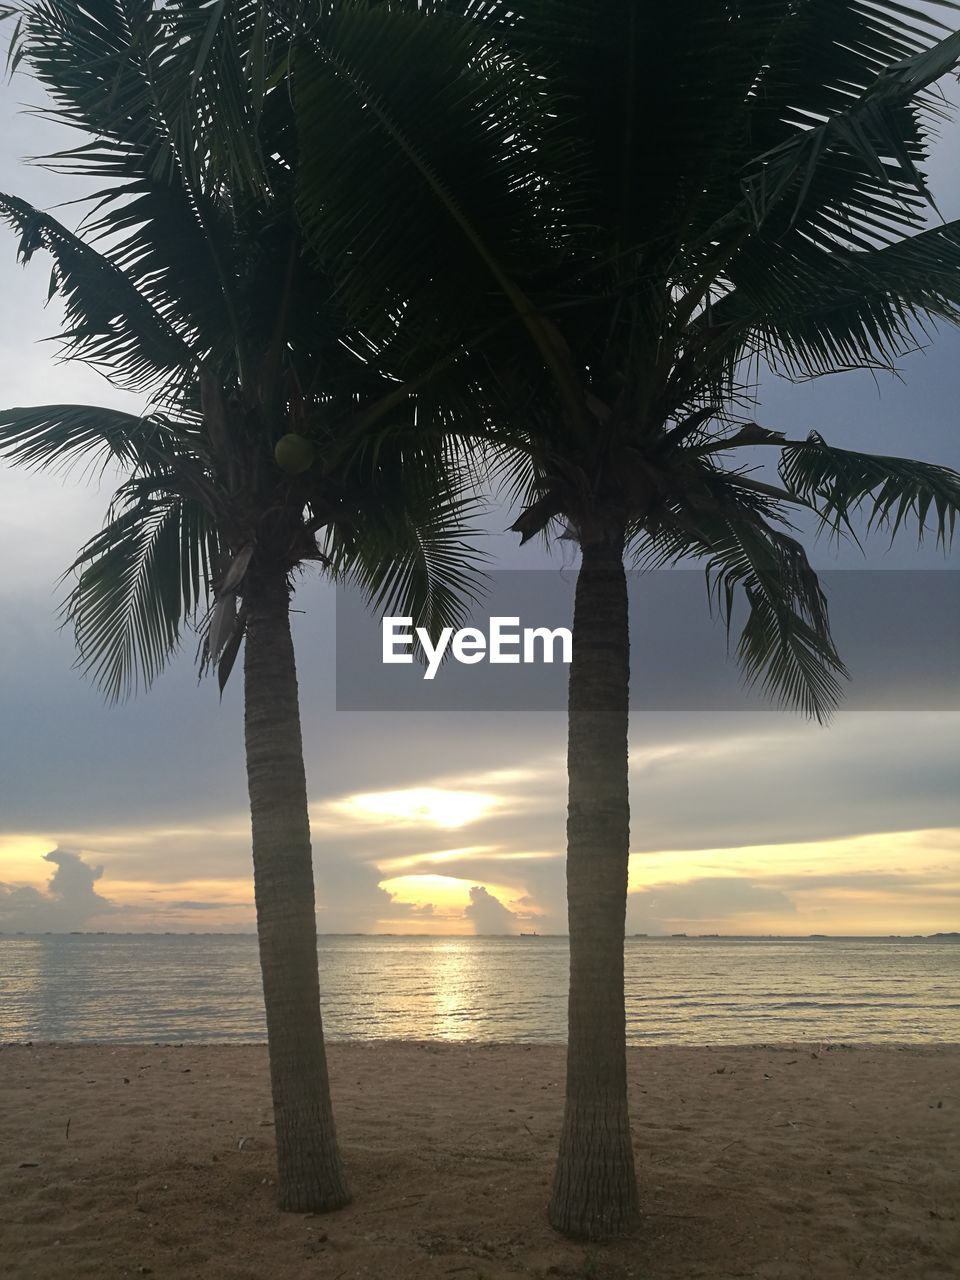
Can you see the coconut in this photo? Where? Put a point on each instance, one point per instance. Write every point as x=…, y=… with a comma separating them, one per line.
x=293, y=453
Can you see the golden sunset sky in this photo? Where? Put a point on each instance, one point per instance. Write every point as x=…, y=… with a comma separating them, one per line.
x=483, y=852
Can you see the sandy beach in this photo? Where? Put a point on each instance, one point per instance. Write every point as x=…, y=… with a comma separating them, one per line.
x=789, y=1161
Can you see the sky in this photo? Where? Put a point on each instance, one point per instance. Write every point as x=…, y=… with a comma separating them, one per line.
x=747, y=822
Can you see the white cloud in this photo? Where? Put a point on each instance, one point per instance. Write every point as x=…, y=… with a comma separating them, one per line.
x=488, y=913
x=69, y=900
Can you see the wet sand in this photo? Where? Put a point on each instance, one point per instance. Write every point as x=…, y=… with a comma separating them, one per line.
x=788, y=1161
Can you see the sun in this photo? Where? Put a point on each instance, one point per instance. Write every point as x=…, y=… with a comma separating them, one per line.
x=418, y=806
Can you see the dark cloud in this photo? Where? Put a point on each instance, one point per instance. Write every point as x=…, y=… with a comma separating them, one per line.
x=488, y=913
x=69, y=900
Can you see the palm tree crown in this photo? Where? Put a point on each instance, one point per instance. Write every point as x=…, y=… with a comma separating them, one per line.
x=199, y=295
x=633, y=213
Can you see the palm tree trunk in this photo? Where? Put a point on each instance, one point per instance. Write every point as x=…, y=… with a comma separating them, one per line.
x=595, y=1188
x=310, y=1173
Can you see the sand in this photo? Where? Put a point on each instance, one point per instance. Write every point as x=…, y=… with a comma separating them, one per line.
x=772, y=1162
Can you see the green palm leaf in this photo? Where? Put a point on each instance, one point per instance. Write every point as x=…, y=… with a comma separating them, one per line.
x=110, y=323
x=870, y=132
x=63, y=435
x=785, y=645
x=167, y=220
x=146, y=573
x=424, y=136
x=407, y=543
x=812, y=310
x=839, y=482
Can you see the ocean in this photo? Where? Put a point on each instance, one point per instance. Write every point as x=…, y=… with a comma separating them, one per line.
x=206, y=987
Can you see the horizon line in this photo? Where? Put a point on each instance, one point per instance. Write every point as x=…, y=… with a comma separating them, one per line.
x=659, y=937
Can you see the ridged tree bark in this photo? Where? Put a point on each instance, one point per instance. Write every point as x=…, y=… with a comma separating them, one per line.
x=309, y=1168
x=595, y=1188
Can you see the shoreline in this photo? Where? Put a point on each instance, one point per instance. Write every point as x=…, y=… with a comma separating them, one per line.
x=779, y=1162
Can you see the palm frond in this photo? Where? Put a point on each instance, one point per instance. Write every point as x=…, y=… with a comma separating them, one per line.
x=406, y=536
x=230, y=55
x=58, y=436
x=429, y=144
x=138, y=582
x=868, y=132
x=110, y=323
x=121, y=72
x=812, y=310
x=839, y=482
x=785, y=646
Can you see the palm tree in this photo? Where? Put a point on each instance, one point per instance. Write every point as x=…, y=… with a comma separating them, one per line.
x=271, y=441
x=684, y=192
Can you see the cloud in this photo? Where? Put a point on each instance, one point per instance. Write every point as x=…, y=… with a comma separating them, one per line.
x=415, y=806
x=868, y=773
x=488, y=913
x=187, y=904
x=69, y=900
x=660, y=907
x=945, y=882
x=349, y=897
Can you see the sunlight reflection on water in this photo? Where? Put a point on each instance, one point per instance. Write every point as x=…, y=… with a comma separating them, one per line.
x=679, y=991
